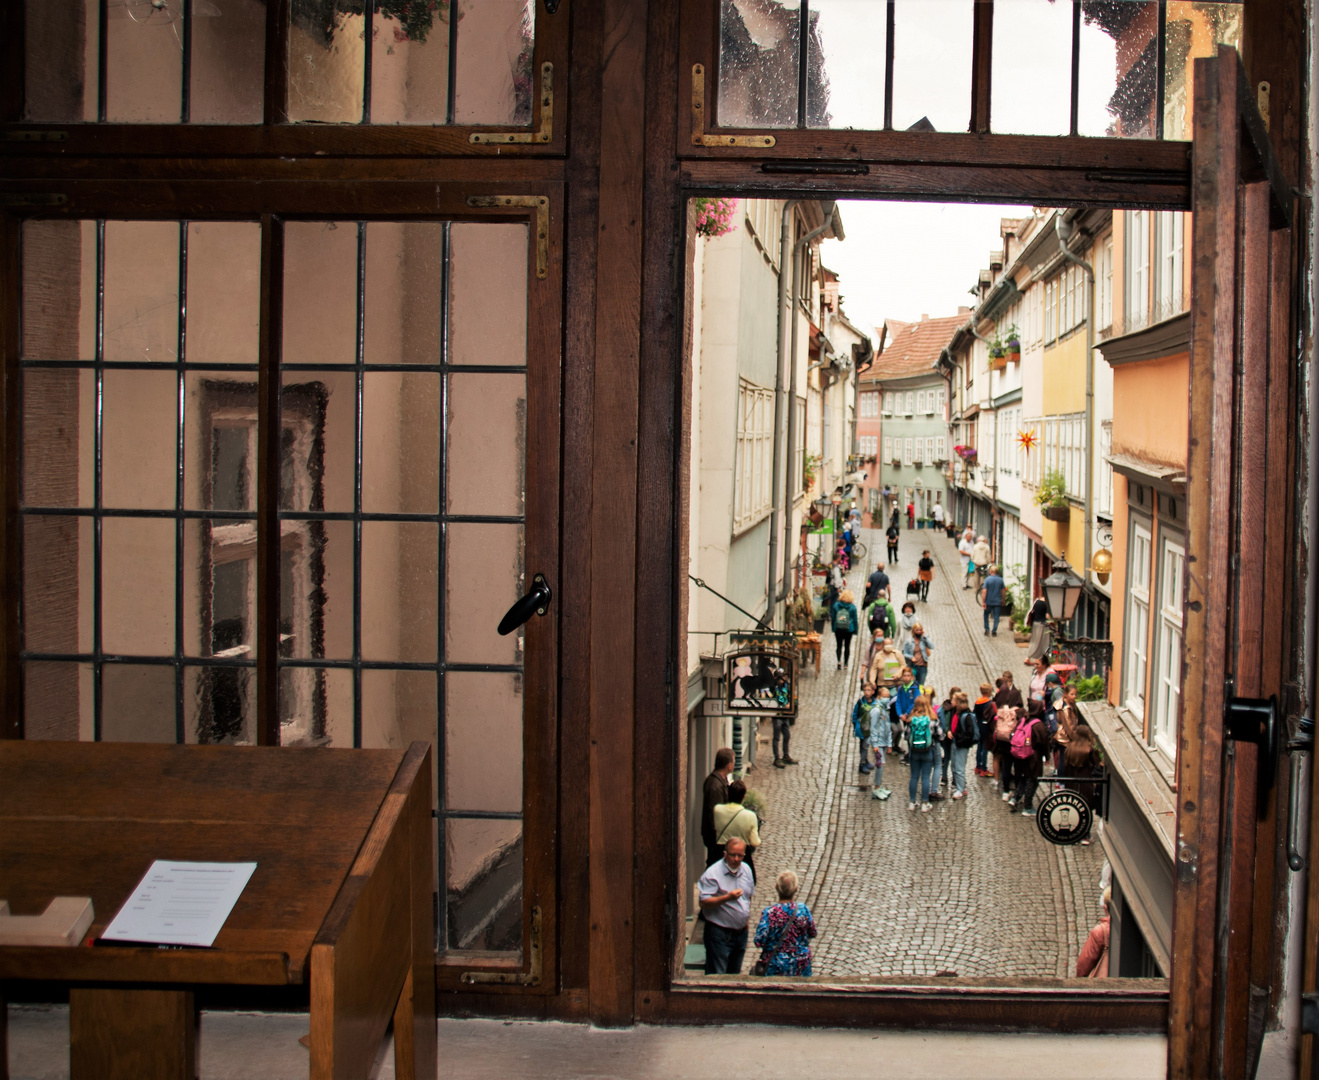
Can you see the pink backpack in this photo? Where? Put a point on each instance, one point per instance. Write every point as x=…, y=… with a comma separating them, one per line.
x=1021, y=744
x=1005, y=722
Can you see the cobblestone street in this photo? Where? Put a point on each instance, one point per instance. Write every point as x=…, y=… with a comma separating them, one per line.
x=969, y=888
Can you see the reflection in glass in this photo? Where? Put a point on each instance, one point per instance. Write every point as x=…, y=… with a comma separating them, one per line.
x=139, y=449
x=1032, y=50
x=483, y=862
x=219, y=588
x=488, y=294
x=57, y=584
x=219, y=705
x=1194, y=30
x=58, y=411
x=493, y=77
x=224, y=291
x=219, y=441
x=227, y=60
x=60, y=61
x=410, y=66
x=320, y=292
x=845, y=83
x=759, y=58
x=318, y=440
x=482, y=709
x=316, y=590
x=400, y=442
x=1118, y=80
x=137, y=703
x=326, y=62
x=932, y=64
x=59, y=290
x=483, y=578
x=486, y=428
x=137, y=586
x=400, y=580
x=404, y=277
x=142, y=290
x=57, y=700
x=398, y=709
x=144, y=60
x=315, y=707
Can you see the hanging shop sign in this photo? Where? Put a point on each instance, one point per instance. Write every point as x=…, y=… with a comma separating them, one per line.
x=1064, y=817
x=760, y=679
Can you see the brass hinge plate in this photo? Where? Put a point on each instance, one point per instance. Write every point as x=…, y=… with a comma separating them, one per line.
x=699, y=137
x=530, y=977
x=29, y=135
x=22, y=199
x=542, y=135
x=542, y=207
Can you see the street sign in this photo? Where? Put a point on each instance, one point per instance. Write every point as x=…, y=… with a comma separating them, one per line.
x=761, y=680
x=1064, y=818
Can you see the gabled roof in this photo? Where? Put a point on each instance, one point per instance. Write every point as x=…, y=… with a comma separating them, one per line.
x=912, y=348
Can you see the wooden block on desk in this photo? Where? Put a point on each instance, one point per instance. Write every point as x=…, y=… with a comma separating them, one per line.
x=64, y=922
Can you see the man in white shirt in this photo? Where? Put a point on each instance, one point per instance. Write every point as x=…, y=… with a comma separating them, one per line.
x=964, y=548
x=726, y=889
x=937, y=514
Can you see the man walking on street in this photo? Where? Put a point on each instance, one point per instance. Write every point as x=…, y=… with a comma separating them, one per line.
x=716, y=792
x=726, y=889
x=980, y=556
x=877, y=585
x=892, y=534
x=991, y=598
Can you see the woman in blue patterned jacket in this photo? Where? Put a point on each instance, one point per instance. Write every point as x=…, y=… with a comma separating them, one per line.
x=785, y=931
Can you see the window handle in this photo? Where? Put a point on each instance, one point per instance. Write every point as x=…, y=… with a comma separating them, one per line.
x=536, y=602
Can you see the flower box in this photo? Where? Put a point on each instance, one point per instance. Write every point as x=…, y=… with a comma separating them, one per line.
x=1057, y=513
x=998, y=363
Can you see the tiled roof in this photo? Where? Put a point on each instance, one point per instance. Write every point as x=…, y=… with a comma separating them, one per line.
x=911, y=348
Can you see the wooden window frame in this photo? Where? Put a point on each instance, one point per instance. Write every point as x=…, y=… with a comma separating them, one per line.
x=276, y=136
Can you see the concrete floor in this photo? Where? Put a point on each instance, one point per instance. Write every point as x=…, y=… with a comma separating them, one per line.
x=264, y=1046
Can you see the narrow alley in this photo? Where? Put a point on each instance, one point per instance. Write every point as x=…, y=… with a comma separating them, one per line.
x=970, y=889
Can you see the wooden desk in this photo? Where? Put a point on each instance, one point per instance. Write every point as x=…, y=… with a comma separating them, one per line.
x=341, y=896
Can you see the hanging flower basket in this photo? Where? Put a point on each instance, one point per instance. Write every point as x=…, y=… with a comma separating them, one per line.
x=1057, y=513
x=715, y=217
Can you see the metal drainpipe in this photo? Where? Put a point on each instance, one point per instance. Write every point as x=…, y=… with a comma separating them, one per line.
x=995, y=526
x=779, y=508
x=786, y=482
x=1065, y=228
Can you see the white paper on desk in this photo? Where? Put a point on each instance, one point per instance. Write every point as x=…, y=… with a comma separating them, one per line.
x=180, y=903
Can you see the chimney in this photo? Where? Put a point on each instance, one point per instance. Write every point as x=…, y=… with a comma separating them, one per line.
x=924, y=316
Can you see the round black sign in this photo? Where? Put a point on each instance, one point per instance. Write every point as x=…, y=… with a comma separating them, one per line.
x=1064, y=818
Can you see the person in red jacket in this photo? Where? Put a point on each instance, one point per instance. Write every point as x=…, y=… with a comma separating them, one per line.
x=1093, y=961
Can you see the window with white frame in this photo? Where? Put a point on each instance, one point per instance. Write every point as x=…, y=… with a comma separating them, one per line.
x=1168, y=675
x=799, y=467
x=888, y=448
x=886, y=403
x=943, y=447
x=755, y=450
x=868, y=405
x=1137, y=268
x=1138, y=619
x=907, y=451
x=1050, y=290
x=1104, y=284
x=929, y=401
x=1104, y=485
x=919, y=452
x=1168, y=269
x=866, y=444
x=920, y=401
x=911, y=403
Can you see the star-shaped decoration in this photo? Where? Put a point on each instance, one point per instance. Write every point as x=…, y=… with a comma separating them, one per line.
x=1026, y=439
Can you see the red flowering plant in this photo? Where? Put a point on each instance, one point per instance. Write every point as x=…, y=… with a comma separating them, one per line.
x=715, y=217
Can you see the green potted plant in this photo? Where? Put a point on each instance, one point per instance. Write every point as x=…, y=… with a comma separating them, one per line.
x=810, y=466
x=997, y=355
x=1051, y=498
x=1012, y=347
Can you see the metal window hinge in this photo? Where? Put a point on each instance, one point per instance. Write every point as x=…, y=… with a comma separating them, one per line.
x=1254, y=720
x=29, y=135
x=699, y=137
x=541, y=205
x=530, y=977
x=546, y=130
x=17, y=200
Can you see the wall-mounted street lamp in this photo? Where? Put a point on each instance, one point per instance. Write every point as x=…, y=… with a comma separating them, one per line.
x=1062, y=590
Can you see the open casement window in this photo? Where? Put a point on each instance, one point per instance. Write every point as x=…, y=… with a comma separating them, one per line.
x=281, y=476
x=1237, y=565
x=835, y=87
x=453, y=77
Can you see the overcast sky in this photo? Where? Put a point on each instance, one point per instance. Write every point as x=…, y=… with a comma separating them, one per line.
x=902, y=260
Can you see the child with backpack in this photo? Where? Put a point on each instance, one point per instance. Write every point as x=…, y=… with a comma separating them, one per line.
x=986, y=716
x=922, y=733
x=844, y=624
x=1005, y=723
x=965, y=733
x=881, y=739
x=866, y=716
x=945, y=747
x=904, y=701
x=1030, y=742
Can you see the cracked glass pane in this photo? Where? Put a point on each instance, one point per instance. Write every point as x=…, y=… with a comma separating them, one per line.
x=1032, y=49
x=144, y=61
x=932, y=65
x=1119, y=68
x=845, y=83
x=759, y=57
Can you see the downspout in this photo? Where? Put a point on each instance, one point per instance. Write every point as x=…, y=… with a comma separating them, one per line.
x=778, y=511
x=993, y=509
x=1065, y=226
x=782, y=483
